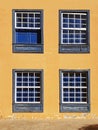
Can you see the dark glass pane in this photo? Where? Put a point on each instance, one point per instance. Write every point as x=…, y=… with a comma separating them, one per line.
x=77, y=94
x=77, y=89
x=19, y=89
x=84, y=89
x=37, y=99
x=19, y=74
x=65, y=31
x=84, y=99
x=72, y=79
x=77, y=31
x=65, y=20
x=25, y=20
x=84, y=84
x=77, y=21
x=18, y=14
x=19, y=94
x=77, y=41
x=18, y=24
x=71, y=99
x=84, y=94
x=83, y=41
x=37, y=15
x=31, y=25
x=77, y=99
x=31, y=89
x=19, y=79
x=19, y=84
x=65, y=99
x=77, y=16
x=65, y=25
x=31, y=94
x=71, y=16
x=37, y=25
x=77, y=35
x=25, y=25
x=37, y=94
x=84, y=16
x=65, y=35
x=25, y=79
x=84, y=75
x=71, y=94
x=65, y=40
x=71, y=31
x=77, y=84
x=25, y=94
x=37, y=20
x=37, y=84
x=71, y=35
x=71, y=40
x=71, y=89
x=25, y=89
x=77, y=74
x=31, y=74
x=71, y=20
x=65, y=94
x=31, y=84
x=25, y=84
x=25, y=15
x=37, y=74
x=65, y=84
x=65, y=79
x=71, y=25
x=65, y=15
x=77, y=26
x=18, y=19
x=25, y=99
x=19, y=99
x=31, y=20
x=25, y=74
x=31, y=15
x=78, y=79
x=37, y=79
x=65, y=89
x=71, y=84
x=37, y=89
x=31, y=79
x=31, y=99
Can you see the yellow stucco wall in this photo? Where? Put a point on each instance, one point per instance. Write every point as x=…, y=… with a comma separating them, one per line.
x=50, y=61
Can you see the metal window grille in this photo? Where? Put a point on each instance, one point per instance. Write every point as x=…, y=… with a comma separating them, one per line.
x=27, y=87
x=74, y=87
x=74, y=28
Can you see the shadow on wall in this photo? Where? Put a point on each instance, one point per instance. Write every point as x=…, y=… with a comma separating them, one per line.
x=90, y=127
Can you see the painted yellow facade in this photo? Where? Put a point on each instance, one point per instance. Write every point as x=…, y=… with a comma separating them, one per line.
x=51, y=60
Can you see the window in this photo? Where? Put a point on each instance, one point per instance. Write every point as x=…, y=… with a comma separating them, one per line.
x=74, y=31
x=74, y=91
x=27, y=91
x=27, y=31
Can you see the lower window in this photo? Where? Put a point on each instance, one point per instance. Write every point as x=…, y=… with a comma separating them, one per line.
x=74, y=91
x=27, y=91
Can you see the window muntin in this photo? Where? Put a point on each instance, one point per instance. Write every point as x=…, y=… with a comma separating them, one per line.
x=27, y=87
x=27, y=20
x=74, y=86
x=74, y=28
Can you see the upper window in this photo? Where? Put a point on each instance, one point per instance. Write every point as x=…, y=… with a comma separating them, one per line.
x=74, y=91
x=74, y=31
x=27, y=31
x=27, y=94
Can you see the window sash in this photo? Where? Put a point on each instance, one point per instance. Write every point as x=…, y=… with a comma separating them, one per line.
x=27, y=23
x=28, y=87
x=74, y=39
x=74, y=95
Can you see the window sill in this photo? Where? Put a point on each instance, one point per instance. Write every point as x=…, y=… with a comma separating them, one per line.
x=74, y=48
x=74, y=107
x=27, y=48
x=25, y=107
